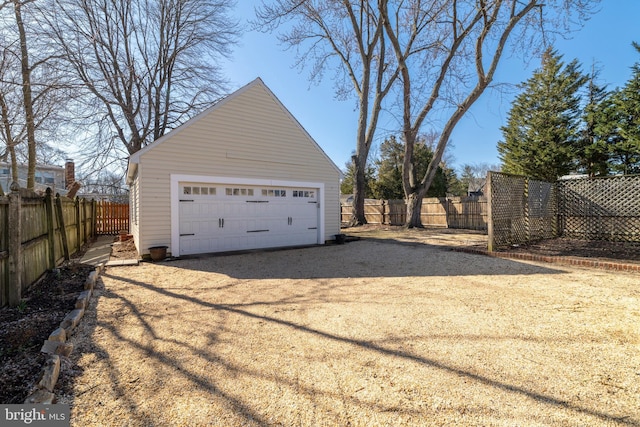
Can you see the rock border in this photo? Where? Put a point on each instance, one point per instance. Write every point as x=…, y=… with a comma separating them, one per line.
x=56, y=345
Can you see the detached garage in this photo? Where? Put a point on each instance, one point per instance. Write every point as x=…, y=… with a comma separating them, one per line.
x=241, y=175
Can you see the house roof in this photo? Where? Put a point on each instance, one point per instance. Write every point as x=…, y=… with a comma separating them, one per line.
x=39, y=166
x=134, y=159
x=476, y=185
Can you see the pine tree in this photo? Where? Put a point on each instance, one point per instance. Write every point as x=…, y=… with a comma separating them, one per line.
x=592, y=148
x=541, y=135
x=348, y=180
x=388, y=184
x=626, y=150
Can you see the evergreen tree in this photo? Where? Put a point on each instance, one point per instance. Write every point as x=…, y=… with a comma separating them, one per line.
x=388, y=184
x=348, y=180
x=471, y=174
x=592, y=150
x=455, y=187
x=626, y=149
x=541, y=135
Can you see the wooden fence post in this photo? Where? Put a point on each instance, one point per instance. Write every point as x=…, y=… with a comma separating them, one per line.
x=14, y=291
x=48, y=206
x=94, y=218
x=491, y=240
x=63, y=228
x=76, y=205
x=386, y=212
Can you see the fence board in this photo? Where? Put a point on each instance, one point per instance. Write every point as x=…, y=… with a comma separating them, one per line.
x=39, y=225
x=433, y=212
x=459, y=212
x=467, y=213
x=111, y=217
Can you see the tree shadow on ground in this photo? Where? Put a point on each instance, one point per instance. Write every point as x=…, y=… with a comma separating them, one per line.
x=360, y=259
x=244, y=408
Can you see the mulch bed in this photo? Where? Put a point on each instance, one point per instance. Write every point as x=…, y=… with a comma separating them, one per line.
x=24, y=329
x=601, y=250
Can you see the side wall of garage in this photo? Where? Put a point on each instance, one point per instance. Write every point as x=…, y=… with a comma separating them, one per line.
x=251, y=136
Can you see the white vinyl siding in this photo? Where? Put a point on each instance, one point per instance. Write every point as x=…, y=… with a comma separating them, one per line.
x=247, y=136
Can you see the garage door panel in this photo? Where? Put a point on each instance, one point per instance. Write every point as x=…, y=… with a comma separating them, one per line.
x=222, y=218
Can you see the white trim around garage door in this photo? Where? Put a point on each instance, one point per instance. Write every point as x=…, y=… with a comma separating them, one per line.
x=176, y=179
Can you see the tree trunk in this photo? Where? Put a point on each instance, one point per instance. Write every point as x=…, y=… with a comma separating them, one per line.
x=357, y=215
x=27, y=97
x=14, y=164
x=414, y=208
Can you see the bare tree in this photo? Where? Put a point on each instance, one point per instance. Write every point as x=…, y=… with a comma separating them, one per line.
x=22, y=53
x=143, y=67
x=29, y=91
x=10, y=110
x=346, y=37
x=448, y=52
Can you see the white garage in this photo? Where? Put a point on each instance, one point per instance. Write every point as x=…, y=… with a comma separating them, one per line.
x=244, y=174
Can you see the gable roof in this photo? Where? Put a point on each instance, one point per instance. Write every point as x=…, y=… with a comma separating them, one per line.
x=134, y=159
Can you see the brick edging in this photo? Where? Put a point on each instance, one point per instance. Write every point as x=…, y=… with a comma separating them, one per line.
x=581, y=262
x=56, y=345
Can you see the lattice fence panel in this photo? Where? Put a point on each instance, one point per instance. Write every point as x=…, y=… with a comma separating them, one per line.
x=508, y=214
x=542, y=210
x=605, y=208
x=522, y=210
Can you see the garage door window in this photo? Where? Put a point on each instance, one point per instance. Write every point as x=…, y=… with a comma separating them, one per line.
x=198, y=191
x=238, y=191
x=310, y=194
x=271, y=192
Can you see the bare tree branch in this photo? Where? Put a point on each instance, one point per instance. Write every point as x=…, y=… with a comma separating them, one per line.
x=459, y=46
x=145, y=66
x=348, y=38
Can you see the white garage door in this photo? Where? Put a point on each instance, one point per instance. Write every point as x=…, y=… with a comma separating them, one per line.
x=217, y=218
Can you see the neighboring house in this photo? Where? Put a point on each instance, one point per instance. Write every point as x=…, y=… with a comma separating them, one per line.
x=476, y=187
x=45, y=176
x=243, y=174
x=346, y=198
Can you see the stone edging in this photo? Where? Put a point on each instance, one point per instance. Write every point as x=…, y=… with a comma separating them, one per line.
x=56, y=345
x=581, y=262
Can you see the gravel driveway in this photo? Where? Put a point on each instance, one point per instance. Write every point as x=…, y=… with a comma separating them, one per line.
x=374, y=332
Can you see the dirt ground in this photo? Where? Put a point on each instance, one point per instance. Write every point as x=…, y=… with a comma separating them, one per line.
x=386, y=330
x=24, y=328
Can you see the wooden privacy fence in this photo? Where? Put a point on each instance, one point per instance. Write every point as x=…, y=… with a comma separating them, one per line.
x=111, y=217
x=37, y=233
x=452, y=212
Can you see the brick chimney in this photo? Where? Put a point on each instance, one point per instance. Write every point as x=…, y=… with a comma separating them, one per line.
x=69, y=173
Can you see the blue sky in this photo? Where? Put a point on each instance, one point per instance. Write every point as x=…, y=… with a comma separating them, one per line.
x=604, y=40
